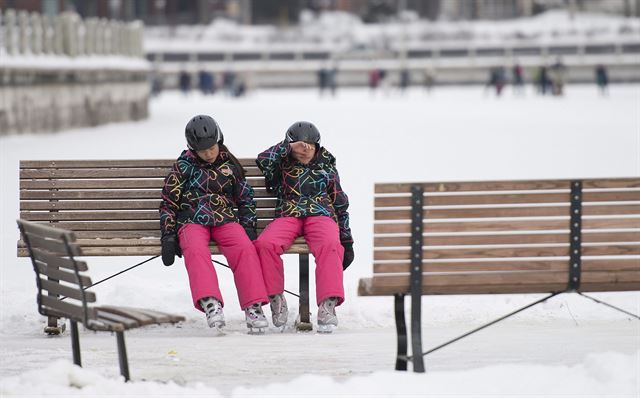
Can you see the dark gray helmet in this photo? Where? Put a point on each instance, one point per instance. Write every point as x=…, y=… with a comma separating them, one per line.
x=302, y=131
x=202, y=132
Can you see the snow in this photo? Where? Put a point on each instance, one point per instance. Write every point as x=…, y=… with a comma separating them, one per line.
x=568, y=346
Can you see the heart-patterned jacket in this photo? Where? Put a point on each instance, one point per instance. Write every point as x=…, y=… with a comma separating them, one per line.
x=306, y=190
x=203, y=193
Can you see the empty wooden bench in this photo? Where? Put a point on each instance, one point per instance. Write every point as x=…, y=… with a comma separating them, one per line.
x=62, y=283
x=501, y=237
x=112, y=207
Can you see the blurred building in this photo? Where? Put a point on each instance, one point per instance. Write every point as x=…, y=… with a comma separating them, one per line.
x=287, y=12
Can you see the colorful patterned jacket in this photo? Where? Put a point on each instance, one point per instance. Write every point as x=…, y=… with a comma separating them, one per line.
x=306, y=190
x=201, y=193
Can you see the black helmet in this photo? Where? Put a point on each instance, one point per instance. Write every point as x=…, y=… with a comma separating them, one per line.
x=303, y=131
x=202, y=132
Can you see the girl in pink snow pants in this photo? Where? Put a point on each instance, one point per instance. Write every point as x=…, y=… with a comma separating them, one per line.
x=199, y=195
x=310, y=203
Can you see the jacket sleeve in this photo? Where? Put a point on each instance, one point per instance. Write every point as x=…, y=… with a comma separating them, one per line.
x=269, y=163
x=170, y=204
x=340, y=204
x=243, y=196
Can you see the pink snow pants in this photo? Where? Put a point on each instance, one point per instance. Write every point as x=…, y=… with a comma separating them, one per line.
x=241, y=255
x=322, y=236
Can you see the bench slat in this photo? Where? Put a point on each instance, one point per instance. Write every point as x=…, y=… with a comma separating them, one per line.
x=506, y=185
x=497, y=212
x=52, y=245
x=70, y=310
x=510, y=199
x=43, y=164
x=117, y=194
x=62, y=275
x=62, y=290
x=268, y=204
x=142, y=183
x=56, y=261
x=128, y=323
x=507, y=225
x=465, y=253
x=142, y=316
x=509, y=265
x=455, y=240
x=112, y=172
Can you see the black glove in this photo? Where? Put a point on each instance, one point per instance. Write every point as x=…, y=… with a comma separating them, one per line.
x=348, y=255
x=170, y=249
x=251, y=233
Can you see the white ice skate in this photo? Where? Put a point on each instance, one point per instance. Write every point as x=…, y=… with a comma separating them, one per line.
x=256, y=321
x=327, y=319
x=213, y=309
x=279, y=310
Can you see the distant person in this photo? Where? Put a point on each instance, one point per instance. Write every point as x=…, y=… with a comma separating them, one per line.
x=558, y=72
x=207, y=197
x=310, y=203
x=374, y=80
x=332, y=80
x=542, y=80
x=205, y=82
x=602, y=79
x=184, y=81
x=384, y=81
x=428, y=76
x=323, y=77
x=518, y=79
x=405, y=80
x=497, y=79
x=156, y=84
x=229, y=82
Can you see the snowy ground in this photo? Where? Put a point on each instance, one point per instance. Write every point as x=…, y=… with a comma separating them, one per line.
x=566, y=347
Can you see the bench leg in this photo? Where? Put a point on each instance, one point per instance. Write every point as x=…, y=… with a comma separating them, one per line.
x=122, y=356
x=401, y=331
x=416, y=334
x=53, y=328
x=305, y=322
x=75, y=343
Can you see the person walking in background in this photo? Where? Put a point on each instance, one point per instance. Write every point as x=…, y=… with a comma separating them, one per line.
x=602, y=79
x=184, y=81
x=541, y=80
x=405, y=80
x=428, y=79
x=310, y=203
x=518, y=79
x=199, y=197
x=558, y=72
x=322, y=80
x=374, y=80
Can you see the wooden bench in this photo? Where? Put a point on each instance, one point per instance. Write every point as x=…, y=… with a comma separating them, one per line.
x=501, y=237
x=112, y=207
x=53, y=253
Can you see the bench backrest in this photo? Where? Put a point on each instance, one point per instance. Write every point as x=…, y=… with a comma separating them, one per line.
x=112, y=205
x=507, y=236
x=58, y=273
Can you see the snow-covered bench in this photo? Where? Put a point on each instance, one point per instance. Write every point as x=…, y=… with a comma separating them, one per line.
x=58, y=273
x=112, y=207
x=549, y=236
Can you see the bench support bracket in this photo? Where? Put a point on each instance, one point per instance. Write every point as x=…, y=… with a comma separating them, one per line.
x=401, y=331
x=416, y=276
x=305, y=322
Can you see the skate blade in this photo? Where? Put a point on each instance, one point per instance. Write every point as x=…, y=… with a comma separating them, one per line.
x=219, y=328
x=326, y=328
x=256, y=330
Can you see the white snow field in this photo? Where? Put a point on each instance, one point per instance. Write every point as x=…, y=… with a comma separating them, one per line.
x=568, y=346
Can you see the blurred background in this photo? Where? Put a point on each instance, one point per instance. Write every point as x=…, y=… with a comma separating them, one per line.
x=73, y=63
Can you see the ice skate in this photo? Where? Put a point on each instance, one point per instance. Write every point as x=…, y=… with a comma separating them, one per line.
x=256, y=321
x=213, y=309
x=327, y=319
x=279, y=310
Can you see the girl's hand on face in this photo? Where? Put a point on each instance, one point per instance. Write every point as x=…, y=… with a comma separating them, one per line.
x=300, y=147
